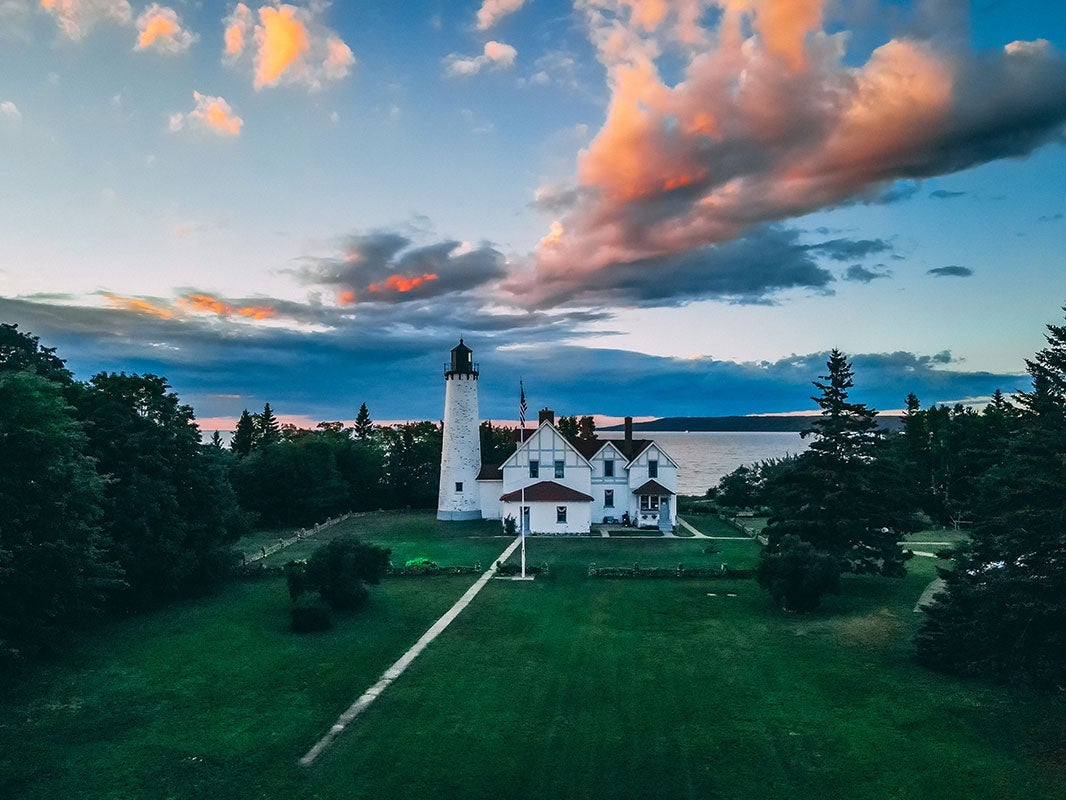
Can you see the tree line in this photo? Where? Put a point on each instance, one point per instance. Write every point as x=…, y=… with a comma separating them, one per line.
x=842, y=505
x=109, y=502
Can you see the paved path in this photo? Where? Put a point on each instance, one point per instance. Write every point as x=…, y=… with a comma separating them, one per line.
x=926, y=599
x=404, y=661
x=691, y=530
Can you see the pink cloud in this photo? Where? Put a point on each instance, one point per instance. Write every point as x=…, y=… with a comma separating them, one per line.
x=76, y=18
x=288, y=45
x=160, y=27
x=212, y=114
x=496, y=55
x=492, y=11
x=768, y=123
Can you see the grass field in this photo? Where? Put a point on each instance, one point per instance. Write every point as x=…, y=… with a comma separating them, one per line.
x=568, y=686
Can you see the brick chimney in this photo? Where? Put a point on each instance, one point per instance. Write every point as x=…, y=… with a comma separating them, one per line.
x=546, y=415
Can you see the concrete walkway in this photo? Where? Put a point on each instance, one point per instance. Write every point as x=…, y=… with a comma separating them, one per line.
x=404, y=661
x=926, y=599
x=691, y=530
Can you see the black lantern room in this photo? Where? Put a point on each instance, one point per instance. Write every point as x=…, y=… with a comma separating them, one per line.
x=462, y=361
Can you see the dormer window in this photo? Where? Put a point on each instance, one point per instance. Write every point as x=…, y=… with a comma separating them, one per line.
x=653, y=469
x=608, y=468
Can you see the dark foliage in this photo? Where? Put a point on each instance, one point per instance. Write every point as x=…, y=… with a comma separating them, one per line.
x=840, y=495
x=797, y=575
x=310, y=615
x=340, y=569
x=1002, y=613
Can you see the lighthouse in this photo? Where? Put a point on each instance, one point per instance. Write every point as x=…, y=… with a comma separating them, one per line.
x=460, y=459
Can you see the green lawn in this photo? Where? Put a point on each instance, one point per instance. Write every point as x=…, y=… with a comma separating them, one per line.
x=568, y=686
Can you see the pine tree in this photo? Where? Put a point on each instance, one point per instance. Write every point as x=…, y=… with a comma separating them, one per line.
x=244, y=436
x=586, y=428
x=364, y=426
x=838, y=495
x=268, y=428
x=1001, y=615
x=216, y=440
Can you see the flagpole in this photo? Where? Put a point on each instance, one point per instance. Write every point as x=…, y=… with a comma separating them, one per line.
x=522, y=506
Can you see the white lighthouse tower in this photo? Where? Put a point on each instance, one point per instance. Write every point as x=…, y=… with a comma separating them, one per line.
x=460, y=460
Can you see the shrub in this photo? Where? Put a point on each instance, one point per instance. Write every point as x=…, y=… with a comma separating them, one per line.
x=296, y=578
x=339, y=570
x=510, y=526
x=420, y=562
x=797, y=575
x=310, y=615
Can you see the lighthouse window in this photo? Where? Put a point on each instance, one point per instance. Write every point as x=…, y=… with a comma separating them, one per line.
x=534, y=469
x=608, y=498
x=608, y=468
x=458, y=486
x=560, y=513
x=559, y=468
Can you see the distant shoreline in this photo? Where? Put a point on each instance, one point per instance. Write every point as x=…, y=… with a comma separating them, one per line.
x=767, y=424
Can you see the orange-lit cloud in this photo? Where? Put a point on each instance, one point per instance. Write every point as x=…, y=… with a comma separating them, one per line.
x=211, y=113
x=140, y=306
x=495, y=55
x=399, y=283
x=76, y=18
x=205, y=302
x=492, y=11
x=346, y=298
x=281, y=40
x=238, y=26
x=770, y=121
x=288, y=45
x=160, y=27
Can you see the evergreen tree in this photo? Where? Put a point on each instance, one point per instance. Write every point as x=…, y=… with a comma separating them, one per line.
x=838, y=495
x=364, y=426
x=586, y=429
x=244, y=436
x=268, y=429
x=216, y=440
x=1001, y=614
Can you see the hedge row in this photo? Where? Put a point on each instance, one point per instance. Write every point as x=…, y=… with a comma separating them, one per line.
x=637, y=571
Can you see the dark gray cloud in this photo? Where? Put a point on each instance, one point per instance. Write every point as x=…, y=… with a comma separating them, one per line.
x=950, y=272
x=860, y=274
x=769, y=259
x=387, y=267
x=220, y=366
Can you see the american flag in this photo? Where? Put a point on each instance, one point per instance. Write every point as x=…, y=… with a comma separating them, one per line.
x=522, y=405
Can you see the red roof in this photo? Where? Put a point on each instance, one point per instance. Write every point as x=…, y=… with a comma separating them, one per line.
x=652, y=487
x=547, y=491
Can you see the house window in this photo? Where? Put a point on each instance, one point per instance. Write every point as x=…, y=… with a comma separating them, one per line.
x=458, y=486
x=534, y=469
x=608, y=469
x=608, y=498
x=559, y=468
x=560, y=513
x=649, y=502
x=653, y=469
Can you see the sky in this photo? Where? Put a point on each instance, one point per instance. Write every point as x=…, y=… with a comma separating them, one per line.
x=636, y=207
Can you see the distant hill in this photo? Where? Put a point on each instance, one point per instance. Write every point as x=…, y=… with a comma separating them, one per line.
x=771, y=424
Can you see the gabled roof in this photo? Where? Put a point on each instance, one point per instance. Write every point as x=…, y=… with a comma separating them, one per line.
x=632, y=448
x=546, y=491
x=589, y=447
x=651, y=487
x=527, y=437
x=490, y=472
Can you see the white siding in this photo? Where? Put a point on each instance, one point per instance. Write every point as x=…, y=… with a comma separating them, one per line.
x=490, y=492
x=460, y=460
x=619, y=484
x=542, y=516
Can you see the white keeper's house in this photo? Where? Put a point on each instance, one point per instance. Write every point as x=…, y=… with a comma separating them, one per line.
x=557, y=485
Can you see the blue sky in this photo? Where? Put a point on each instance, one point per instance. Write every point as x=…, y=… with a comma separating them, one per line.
x=652, y=208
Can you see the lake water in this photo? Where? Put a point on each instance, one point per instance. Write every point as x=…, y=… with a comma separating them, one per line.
x=705, y=456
